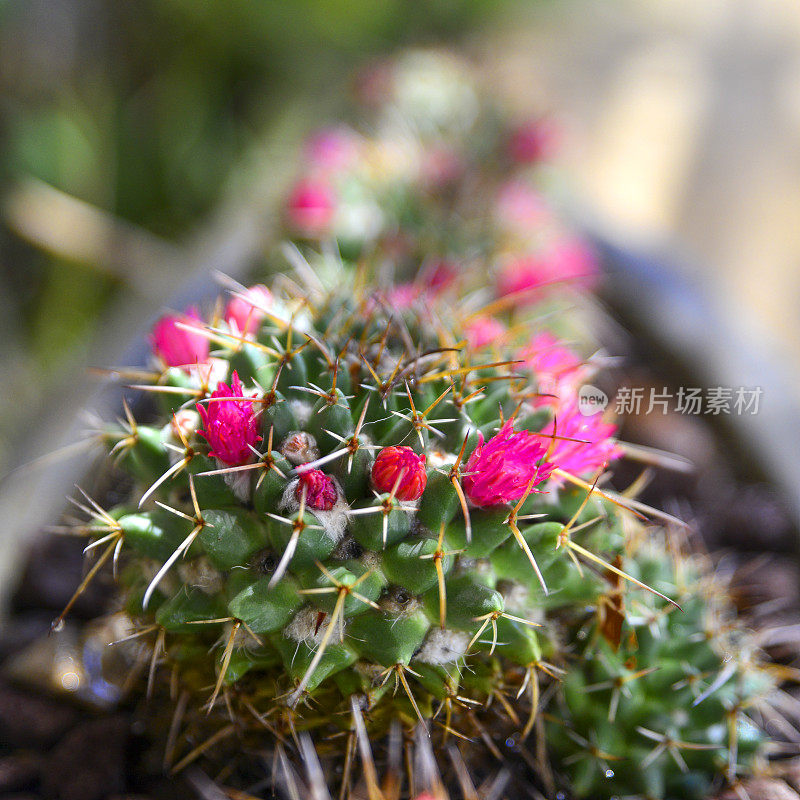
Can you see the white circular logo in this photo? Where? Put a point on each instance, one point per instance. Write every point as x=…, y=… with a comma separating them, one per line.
x=591, y=400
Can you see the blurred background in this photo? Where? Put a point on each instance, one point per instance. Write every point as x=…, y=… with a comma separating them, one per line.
x=142, y=145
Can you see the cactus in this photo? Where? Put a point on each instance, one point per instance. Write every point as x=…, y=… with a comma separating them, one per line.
x=364, y=507
x=658, y=706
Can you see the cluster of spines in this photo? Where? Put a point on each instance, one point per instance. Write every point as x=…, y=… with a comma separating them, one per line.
x=660, y=702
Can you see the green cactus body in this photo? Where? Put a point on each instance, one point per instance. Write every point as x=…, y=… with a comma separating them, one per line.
x=661, y=710
x=367, y=508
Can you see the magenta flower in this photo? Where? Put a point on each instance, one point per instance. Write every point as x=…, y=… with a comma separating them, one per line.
x=311, y=206
x=533, y=141
x=321, y=492
x=176, y=346
x=394, y=461
x=482, y=331
x=332, y=150
x=501, y=469
x=229, y=426
x=438, y=276
x=569, y=262
x=246, y=311
x=582, y=458
x=558, y=370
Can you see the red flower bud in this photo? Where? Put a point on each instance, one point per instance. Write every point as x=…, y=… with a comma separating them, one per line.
x=311, y=207
x=403, y=463
x=321, y=492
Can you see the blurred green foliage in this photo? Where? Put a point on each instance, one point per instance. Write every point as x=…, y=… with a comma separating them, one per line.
x=145, y=108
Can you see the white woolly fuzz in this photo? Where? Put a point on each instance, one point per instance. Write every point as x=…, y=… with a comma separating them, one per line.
x=334, y=522
x=475, y=566
x=390, y=604
x=371, y=560
x=148, y=568
x=289, y=502
x=306, y=626
x=240, y=482
x=443, y=646
x=301, y=409
x=437, y=459
x=242, y=639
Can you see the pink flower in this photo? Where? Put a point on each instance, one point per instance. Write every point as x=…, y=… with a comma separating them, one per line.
x=388, y=466
x=246, y=310
x=482, y=331
x=321, y=492
x=403, y=296
x=558, y=370
x=438, y=276
x=176, y=346
x=573, y=260
x=229, y=426
x=584, y=457
x=569, y=262
x=522, y=273
x=533, y=141
x=500, y=470
x=311, y=207
x=520, y=208
x=332, y=150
